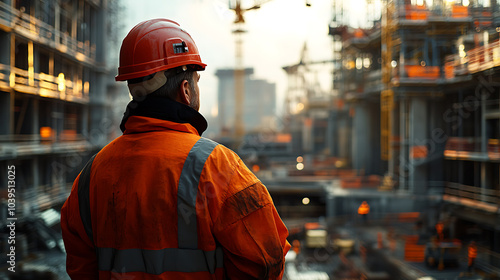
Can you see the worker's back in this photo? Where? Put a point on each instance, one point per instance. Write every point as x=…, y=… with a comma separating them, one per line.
x=152, y=220
x=135, y=189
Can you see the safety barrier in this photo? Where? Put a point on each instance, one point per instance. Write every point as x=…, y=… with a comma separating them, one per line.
x=356, y=182
x=459, y=11
x=416, y=12
x=422, y=12
x=423, y=72
x=413, y=251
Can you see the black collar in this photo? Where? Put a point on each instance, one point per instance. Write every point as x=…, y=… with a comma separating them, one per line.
x=164, y=109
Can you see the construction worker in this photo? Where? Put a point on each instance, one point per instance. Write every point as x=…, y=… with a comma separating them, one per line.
x=296, y=246
x=364, y=210
x=161, y=202
x=472, y=254
x=439, y=231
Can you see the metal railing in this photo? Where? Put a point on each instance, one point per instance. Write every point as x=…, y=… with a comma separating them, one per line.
x=488, y=260
x=45, y=85
x=475, y=60
x=46, y=34
x=490, y=196
x=19, y=138
x=484, y=57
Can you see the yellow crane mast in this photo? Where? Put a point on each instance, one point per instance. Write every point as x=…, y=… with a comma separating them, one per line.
x=239, y=70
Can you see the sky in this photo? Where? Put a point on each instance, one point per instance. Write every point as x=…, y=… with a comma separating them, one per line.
x=276, y=35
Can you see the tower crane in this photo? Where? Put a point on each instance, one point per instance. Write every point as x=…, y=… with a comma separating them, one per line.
x=239, y=72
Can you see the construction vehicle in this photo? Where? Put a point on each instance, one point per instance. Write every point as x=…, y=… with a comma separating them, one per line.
x=343, y=245
x=316, y=236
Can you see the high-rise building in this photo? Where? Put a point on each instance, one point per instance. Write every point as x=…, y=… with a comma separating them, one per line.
x=259, y=102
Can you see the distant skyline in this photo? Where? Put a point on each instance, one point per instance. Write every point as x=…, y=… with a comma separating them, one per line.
x=276, y=34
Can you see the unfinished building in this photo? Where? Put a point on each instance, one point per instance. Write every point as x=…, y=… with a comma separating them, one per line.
x=55, y=105
x=422, y=87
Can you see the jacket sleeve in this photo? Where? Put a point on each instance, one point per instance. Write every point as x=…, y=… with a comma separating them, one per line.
x=81, y=259
x=252, y=235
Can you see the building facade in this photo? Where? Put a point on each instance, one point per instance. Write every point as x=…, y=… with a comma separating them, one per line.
x=55, y=95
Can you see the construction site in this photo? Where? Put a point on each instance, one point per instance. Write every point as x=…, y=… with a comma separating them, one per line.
x=412, y=127
x=392, y=173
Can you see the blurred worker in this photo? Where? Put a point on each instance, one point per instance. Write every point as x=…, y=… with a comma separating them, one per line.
x=472, y=254
x=296, y=246
x=364, y=210
x=391, y=237
x=362, y=252
x=439, y=231
x=161, y=202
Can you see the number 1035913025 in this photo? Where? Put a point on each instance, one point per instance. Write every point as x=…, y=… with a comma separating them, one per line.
x=11, y=189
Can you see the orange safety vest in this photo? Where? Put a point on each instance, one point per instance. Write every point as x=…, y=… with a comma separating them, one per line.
x=472, y=252
x=161, y=202
x=439, y=228
x=364, y=209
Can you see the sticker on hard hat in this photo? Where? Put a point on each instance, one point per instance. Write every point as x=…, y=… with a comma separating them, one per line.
x=180, y=47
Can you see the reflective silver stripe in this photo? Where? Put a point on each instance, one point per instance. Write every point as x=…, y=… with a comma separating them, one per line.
x=188, y=190
x=84, y=198
x=158, y=261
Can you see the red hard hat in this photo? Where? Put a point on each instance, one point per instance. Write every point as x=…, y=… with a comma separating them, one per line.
x=156, y=45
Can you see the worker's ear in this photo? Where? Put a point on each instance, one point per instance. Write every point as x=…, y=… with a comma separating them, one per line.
x=185, y=93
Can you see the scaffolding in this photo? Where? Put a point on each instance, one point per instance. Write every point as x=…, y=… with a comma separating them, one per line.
x=53, y=95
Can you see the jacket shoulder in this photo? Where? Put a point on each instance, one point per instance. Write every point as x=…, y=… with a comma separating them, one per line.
x=228, y=171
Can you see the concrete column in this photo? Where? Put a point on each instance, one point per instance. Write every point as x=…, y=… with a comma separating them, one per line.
x=36, y=173
x=361, y=137
x=36, y=59
x=5, y=48
x=417, y=136
x=332, y=134
x=307, y=134
x=394, y=161
x=402, y=54
x=403, y=155
x=6, y=113
x=57, y=118
x=35, y=127
x=330, y=207
x=6, y=98
x=57, y=22
x=366, y=138
x=344, y=138
x=101, y=32
x=435, y=52
x=84, y=120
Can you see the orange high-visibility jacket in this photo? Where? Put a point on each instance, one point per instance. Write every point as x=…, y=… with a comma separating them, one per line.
x=165, y=203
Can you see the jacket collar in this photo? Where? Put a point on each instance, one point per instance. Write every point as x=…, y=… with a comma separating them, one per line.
x=164, y=109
